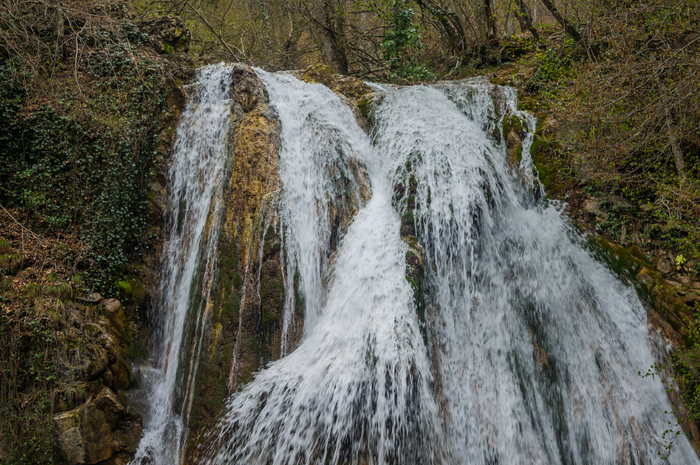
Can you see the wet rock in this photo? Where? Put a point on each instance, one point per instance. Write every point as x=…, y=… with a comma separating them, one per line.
x=122, y=375
x=168, y=34
x=115, y=314
x=109, y=404
x=136, y=375
x=350, y=87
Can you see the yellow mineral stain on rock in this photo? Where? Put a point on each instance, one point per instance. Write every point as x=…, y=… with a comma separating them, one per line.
x=214, y=339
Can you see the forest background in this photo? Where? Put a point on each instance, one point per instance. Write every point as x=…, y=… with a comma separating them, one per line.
x=621, y=75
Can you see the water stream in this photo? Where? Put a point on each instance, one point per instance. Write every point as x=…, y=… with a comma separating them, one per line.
x=538, y=345
x=529, y=350
x=194, y=185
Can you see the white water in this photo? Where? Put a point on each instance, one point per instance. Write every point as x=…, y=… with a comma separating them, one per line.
x=194, y=195
x=320, y=140
x=533, y=346
x=358, y=384
x=538, y=344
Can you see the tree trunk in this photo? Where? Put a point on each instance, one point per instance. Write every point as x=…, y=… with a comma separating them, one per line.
x=570, y=30
x=524, y=19
x=671, y=128
x=449, y=21
x=490, y=21
x=331, y=38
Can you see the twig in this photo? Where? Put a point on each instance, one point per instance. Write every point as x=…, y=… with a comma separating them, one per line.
x=211, y=28
x=40, y=238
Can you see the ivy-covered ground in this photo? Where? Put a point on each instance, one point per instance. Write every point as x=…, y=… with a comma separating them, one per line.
x=87, y=109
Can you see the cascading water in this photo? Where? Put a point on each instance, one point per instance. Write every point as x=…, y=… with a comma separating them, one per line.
x=359, y=382
x=320, y=143
x=538, y=346
x=530, y=349
x=194, y=193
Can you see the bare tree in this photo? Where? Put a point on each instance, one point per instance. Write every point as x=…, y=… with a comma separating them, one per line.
x=568, y=27
x=329, y=22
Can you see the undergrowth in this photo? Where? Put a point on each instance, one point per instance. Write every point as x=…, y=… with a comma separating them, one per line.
x=79, y=155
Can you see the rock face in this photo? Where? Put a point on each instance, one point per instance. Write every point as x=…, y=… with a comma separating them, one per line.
x=246, y=304
x=168, y=34
x=91, y=423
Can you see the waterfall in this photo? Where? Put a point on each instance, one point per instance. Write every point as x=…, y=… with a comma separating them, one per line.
x=195, y=180
x=325, y=401
x=538, y=346
x=321, y=143
x=514, y=346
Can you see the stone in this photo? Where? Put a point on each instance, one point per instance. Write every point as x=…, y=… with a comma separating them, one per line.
x=108, y=378
x=121, y=375
x=136, y=375
x=96, y=434
x=115, y=314
x=168, y=34
x=92, y=298
x=112, y=347
x=113, y=410
x=70, y=442
x=97, y=361
x=592, y=206
x=65, y=421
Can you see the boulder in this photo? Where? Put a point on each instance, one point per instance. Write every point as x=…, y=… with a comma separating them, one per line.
x=121, y=375
x=96, y=433
x=97, y=361
x=108, y=402
x=117, y=319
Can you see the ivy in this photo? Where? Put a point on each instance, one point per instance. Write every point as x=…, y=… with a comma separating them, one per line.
x=84, y=162
x=400, y=42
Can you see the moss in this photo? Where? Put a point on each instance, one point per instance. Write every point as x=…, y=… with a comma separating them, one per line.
x=32, y=290
x=650, y=286
x=271, y=295
x=272, y=242
x=211, y=382
x=538, y=150
x=124, y=287
x=5, y=246
x=11, y=264
x=364, y=106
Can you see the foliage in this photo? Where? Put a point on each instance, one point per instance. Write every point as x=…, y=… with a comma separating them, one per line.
x=637, y=108
x=681, y=375
x=27, y=366
x=554, y=65
x=400, y=42
x=81, y=157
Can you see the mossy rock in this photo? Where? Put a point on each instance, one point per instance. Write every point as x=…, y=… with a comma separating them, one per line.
x=365, y=106
x=11, y=264
x=5, y=246
x=651, y=287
